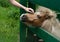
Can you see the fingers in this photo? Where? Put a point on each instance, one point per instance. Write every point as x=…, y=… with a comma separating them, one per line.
x=31, y=10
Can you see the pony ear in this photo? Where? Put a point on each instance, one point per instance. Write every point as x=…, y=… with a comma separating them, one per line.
x=48, y=17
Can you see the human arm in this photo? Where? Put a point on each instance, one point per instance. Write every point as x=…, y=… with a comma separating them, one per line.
x=14, y=2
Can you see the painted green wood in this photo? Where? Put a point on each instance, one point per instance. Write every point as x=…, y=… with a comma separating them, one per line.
x=30, y=37
x=46, y=36
x=58, y=16
x=22, y=26
x=52, y=4
x=31, y=5
x=30, y=34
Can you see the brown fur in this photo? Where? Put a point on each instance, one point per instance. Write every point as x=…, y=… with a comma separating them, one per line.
x=51, y=24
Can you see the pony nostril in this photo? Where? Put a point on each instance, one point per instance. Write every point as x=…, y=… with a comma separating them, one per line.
x=23, y=18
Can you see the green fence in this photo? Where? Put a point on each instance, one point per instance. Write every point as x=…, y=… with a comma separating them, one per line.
x=27, y=34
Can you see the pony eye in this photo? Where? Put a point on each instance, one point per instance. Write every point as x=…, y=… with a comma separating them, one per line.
x=39, y=16
x=48, y=17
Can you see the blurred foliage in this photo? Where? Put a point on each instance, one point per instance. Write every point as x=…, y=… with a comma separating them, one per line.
x=4, y=3
x=9, y=22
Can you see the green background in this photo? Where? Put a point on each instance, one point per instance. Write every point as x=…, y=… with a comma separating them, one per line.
x=9, y=22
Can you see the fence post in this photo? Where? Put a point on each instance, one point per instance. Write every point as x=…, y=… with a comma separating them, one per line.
x=30, y=37
x=22, y=26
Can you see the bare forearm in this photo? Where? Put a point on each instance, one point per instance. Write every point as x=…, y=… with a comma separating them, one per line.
x=17, y=4
x=14, y=2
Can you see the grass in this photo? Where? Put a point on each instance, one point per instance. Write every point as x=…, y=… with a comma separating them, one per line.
x=9, y=24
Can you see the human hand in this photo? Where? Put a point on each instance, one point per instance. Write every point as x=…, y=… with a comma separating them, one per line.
x=30, y=10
